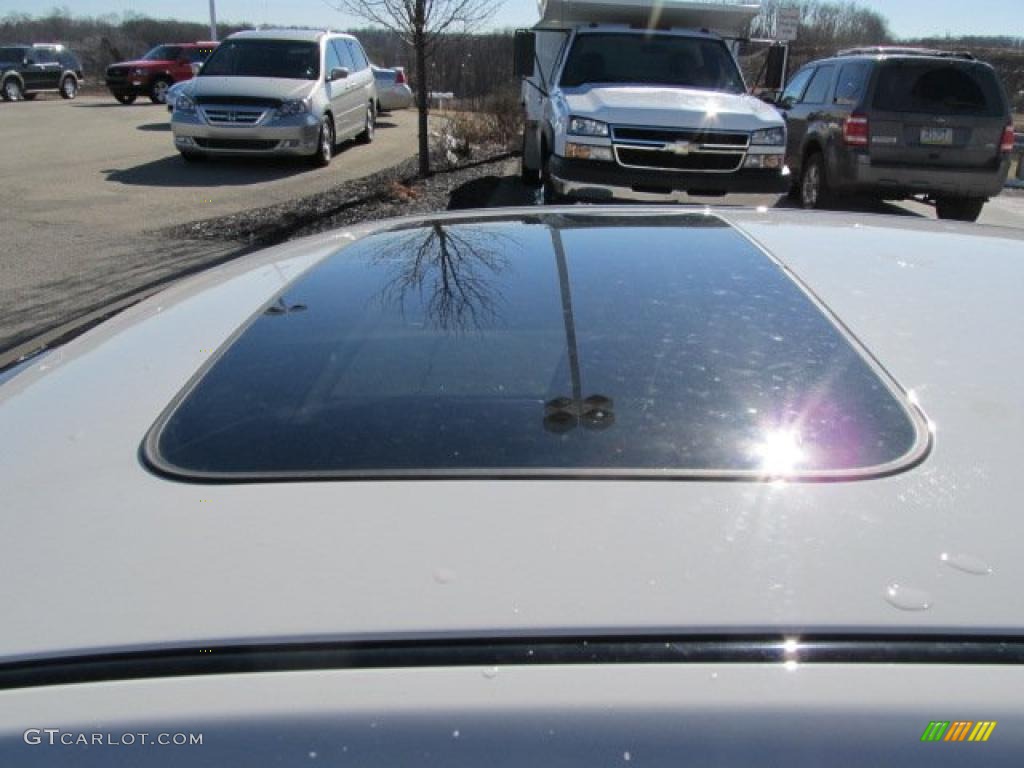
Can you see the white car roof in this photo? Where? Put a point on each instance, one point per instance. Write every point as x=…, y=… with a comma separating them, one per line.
x=105, y=555
x=311, y=35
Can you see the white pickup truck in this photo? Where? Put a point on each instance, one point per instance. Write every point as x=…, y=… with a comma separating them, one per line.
x=644, y=101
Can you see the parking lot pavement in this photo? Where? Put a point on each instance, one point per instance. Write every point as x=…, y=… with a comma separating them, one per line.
x=84, y=181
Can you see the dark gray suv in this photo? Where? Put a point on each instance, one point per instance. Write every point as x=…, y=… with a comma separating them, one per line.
x=896, y=122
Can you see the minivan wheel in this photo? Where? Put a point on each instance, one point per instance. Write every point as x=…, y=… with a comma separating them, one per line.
x=12, y=90
x=369, y=127
x=325, y=144
x=68, y=88
x=814, y=189
x=959, y=208
x=158, y=92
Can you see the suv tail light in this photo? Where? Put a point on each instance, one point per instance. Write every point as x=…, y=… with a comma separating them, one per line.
x=400, y=77
x=1009, y=138
x=855, y=131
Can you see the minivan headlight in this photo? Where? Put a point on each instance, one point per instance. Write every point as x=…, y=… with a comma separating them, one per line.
x=184, y=104
x=775, y=137
x=584, y=126
x=294, y=107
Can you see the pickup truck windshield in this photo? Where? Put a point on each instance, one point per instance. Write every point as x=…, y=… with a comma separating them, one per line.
x=264, y=58
x=685, y=62
x=163, y=53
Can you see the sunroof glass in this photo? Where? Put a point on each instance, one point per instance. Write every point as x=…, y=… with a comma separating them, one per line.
x=555, y=345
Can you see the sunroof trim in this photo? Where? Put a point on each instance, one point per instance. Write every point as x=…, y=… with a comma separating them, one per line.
x=151, y=457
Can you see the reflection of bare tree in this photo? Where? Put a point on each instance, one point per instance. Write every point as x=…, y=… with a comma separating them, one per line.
x=451, y=270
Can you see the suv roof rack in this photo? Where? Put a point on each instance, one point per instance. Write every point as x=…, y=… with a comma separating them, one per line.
x=896, y=50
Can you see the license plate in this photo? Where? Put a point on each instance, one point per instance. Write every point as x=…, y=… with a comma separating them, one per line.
x=937, y=136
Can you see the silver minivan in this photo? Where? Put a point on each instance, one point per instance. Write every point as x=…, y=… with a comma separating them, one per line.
x=277, y=92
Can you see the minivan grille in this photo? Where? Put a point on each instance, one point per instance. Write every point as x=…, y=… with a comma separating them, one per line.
x=246, y=144
x=232, y=116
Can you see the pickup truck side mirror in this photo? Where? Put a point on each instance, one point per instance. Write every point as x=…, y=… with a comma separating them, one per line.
x=525, y=52
x=339, y=73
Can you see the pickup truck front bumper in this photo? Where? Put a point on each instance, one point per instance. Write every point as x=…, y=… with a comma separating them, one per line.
x=602, y=181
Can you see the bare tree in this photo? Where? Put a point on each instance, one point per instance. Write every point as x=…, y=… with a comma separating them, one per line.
x=423, y=25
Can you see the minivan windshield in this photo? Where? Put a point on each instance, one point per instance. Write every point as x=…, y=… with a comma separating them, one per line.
x=672, y=60
x=292, y=60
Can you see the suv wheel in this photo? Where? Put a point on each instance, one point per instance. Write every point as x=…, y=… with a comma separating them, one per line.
x=158, y=92
x=68, y=88
x=12, y=90
x=325, y=145
x=370, y=126
x=125, y=98
x=814, y=189
x=959, y=208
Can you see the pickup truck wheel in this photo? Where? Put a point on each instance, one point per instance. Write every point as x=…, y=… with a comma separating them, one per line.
x=325, y=144
x=68, y=88
x=125, y=98
x=158, y=91
x=369, y=127
x=814, y=187
x=959, y=208
x=12, y=90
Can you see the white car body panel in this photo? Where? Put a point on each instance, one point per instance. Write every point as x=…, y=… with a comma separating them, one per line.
x=666, y=715
x=95, y=545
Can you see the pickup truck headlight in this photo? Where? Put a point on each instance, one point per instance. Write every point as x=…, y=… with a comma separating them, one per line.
x=294, y=107
x=184, y=104
x=584, y=126
x=775, y=137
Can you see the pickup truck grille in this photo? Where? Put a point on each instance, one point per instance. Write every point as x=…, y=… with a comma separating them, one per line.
x=710, y=162
x=679, y=149
x=633, y=135
x=232, y=116
x=253, y=145
x=117, y=74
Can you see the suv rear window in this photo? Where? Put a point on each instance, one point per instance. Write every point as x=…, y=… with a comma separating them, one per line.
x=544, y=346
x=938, y=87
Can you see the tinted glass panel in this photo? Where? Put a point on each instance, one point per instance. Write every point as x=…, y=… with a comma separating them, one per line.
x=658, y=59
x=852, y=78
x=357, y=54
x=12, y=55
x=163, y=53
x=343, y=55
x=551, y=343
x=817, y=91
x=264, y=58
x=796, y=86
x=939, y=88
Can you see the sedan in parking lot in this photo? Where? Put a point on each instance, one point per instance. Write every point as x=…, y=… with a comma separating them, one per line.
x=393, y=90
x=465, y=490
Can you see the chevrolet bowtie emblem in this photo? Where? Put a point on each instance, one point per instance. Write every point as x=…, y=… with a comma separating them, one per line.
x=680, y=147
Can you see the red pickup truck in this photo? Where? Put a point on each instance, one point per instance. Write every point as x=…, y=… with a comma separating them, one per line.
x=157, y=71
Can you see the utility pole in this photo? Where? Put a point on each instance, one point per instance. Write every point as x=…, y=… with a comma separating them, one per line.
x=213, y=20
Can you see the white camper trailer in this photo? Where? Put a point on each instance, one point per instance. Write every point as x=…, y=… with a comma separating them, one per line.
x=642, y=100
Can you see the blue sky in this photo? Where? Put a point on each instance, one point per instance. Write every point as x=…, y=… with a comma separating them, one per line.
x=908, y=18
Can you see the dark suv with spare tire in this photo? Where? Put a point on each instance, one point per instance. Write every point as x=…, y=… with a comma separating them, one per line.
x=28, y=70
x=893, y=123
